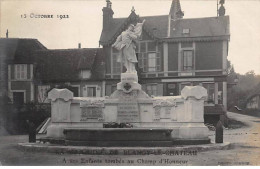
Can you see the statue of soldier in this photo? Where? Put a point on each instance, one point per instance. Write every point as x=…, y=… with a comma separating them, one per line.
x=126, y=44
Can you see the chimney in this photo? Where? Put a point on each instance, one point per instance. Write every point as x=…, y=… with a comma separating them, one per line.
x=174, y=14
x=7, y=33
x=175, y=11
x=107, y=15
x=222, y=10
x=79, y=45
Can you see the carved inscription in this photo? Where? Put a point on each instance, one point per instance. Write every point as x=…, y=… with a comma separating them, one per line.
x=128, y=110
x=167, y=113
x=128, y=79
x=157, y=113
x=91, y=113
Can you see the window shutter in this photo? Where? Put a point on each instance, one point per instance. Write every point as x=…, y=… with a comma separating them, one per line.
x=193, y=60
x=98, y=91
x=108, y=90
x=158, y=63
x=160, y=89
x=145, y=62
x=25, y=71
x=28, y=72
x=181, y=62
x=17, y=71
x=13, y=69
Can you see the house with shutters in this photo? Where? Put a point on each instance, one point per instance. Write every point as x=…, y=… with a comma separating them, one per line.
x=17, y=68
x=172, y=52
x=29, y=70
x=80, y=70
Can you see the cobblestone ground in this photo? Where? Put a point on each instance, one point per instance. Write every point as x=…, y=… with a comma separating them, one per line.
x=245, y=151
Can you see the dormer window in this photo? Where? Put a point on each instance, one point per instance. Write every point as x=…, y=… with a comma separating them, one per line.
x=85, y=74
x=186, y=31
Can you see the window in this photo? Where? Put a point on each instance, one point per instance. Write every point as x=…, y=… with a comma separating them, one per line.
x=148, y=57
x=210, y=87
x=75, y=90
x=21, y=72
x=172, y=89
x=85, y=74
x=186, y=31
x=187, y=60
x=91, y=91
x=151, y=46
x=151, y=89
x=151, y=62
x=116, y=65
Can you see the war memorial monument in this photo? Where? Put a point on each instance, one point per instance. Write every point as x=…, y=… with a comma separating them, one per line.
x=129, y=116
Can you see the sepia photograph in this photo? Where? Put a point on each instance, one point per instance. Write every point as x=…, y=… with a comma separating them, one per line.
x=129, y=83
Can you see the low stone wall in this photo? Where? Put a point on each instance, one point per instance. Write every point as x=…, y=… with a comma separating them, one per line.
x=183, y=114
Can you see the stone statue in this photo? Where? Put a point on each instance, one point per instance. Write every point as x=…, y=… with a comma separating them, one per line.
x=126, y=44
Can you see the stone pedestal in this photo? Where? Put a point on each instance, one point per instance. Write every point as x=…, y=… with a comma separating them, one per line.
x=193, y=115
x=129, y=82
x=60, y=111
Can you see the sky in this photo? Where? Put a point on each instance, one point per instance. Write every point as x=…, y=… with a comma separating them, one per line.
x=84, y=24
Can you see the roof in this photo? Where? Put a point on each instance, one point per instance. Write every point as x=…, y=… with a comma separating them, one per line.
x=107, y=35
x=158, y=25
x=53, y=65
x=201, y=27
x=65, y=65
x=255, y=92
x=19, y=50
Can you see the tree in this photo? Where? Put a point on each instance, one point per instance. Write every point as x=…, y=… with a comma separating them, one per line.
x=246, y=84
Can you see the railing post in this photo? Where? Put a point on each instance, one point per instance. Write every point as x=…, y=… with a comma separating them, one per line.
x=219, y=133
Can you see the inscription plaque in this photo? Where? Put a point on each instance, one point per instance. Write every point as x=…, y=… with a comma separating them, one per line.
x=91, y=113
x=128, y=110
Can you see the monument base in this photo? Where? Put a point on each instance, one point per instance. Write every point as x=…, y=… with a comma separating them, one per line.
x=155, y=121
x=127, y=137
x=129, y=82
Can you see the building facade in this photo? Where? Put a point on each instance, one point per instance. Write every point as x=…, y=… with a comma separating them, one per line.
x=17, y=68
x=29, y=70
x=172, y=52
x=79, y=70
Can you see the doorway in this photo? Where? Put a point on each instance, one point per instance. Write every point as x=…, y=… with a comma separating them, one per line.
x=172, y=89
x=18, y=98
